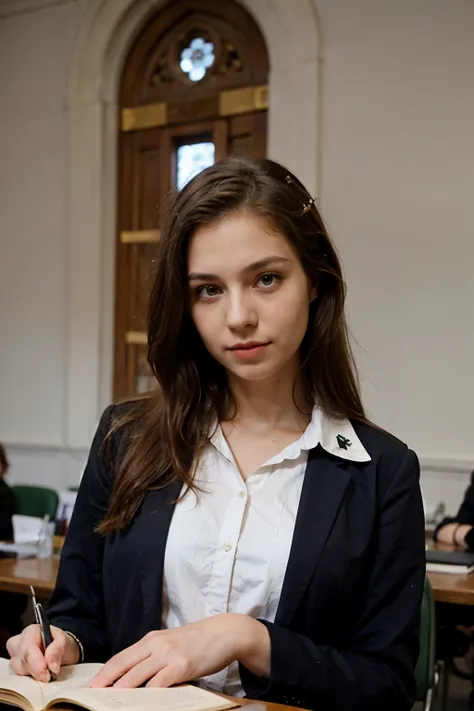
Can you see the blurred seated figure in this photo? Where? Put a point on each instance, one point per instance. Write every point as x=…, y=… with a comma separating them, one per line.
x=459, y=530
x=454, y=619
x=12, y=605
x=7, y=502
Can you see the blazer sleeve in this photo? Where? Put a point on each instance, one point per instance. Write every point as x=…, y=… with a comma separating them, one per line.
x=77, y=603
x=375, y=669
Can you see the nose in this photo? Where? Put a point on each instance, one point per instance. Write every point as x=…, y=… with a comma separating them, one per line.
x=241, y=312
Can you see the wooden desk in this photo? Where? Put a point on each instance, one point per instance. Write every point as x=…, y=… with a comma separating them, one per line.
x=255, y=705
x=17, y=574
x=262, y=705
x=456, y=589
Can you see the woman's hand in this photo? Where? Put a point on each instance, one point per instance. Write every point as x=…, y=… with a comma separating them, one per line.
x=454, y=533
x=28, y=659
x=173, y=656
x=460, y=535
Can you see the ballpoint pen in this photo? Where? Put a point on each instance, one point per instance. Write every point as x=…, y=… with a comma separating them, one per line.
x=42, y=621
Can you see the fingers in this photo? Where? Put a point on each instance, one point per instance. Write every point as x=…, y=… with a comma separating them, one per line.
x=26, y=654
x=55, y=654
x=175, y=673
x=27, y=657
x=35, y=664
x=120, y=664
x=12, y=645
x=137, y=675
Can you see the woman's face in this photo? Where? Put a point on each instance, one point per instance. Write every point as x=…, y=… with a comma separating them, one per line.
x=249, y=296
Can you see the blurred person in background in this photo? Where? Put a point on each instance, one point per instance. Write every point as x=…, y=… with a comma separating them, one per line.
x=7, y=502
x=12, y=605
x=456, y=622
x=459, y=530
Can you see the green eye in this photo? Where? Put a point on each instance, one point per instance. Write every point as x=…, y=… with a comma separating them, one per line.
x=206, y=291
x=269, y=280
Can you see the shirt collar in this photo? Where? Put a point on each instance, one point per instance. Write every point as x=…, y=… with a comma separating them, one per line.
x=337, y=437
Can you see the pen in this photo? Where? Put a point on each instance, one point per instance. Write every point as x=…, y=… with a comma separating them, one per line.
x=42, y=621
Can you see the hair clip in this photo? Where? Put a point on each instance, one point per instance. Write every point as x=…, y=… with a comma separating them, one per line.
x=307, y=208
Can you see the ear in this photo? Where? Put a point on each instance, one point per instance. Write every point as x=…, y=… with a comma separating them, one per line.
x=313, y=294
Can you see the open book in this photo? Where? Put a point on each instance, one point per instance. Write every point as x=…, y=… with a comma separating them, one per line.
x=71, y=687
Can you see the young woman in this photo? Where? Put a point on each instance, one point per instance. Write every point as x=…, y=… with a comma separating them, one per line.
x=244, y=525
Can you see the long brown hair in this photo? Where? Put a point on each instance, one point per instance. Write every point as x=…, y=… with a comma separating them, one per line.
x=167, y=430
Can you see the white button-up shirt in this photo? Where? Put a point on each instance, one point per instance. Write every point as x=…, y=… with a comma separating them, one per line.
x=227, y=549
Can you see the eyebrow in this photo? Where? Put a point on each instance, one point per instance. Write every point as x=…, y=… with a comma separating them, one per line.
x=261, y=264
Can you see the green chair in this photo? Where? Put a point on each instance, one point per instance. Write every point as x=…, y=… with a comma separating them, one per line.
x=35, y=501
x=426, y=671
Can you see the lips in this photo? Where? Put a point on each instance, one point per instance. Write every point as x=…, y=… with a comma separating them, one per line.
x=250, y=345
x=249, y=351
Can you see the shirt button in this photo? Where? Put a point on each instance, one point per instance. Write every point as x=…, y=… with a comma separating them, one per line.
x=227, y=546
x=242, y=494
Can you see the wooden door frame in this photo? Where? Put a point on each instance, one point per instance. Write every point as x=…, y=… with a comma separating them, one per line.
x=217, y=129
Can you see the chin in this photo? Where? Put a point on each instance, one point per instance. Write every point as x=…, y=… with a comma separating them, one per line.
x=254, y=372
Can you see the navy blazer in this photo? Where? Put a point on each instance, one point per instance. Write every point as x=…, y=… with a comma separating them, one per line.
x=346, y=630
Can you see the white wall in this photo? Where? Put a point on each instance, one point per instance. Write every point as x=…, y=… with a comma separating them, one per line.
x=397, y=165
x=36, y=43
x=398, y=175
x=397, y=193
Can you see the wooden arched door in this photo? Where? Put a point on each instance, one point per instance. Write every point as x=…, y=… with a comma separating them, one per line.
x=194, y=88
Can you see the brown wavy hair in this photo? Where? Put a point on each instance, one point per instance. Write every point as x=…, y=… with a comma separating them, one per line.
x=167, y=430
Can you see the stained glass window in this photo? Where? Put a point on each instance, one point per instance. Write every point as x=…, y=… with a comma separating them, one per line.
x=197, y=58
x=191, y=159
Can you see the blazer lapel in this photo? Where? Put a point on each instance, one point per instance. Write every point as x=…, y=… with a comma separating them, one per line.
x=154, y=522
x=325, y=482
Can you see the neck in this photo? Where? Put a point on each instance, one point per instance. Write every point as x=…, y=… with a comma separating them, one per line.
x=273, y=403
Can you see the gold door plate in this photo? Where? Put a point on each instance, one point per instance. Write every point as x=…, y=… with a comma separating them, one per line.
x=139, y=236
x=141, y=117
x=243, y=101
x=231, y=103
x=136, y=338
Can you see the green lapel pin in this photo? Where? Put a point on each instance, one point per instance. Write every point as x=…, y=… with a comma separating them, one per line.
x=343, y=442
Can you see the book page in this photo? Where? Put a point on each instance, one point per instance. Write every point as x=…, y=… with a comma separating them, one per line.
x=70, y=678
x=177, y=698
x=11, y=683
x=5, y=667
x=39, y=694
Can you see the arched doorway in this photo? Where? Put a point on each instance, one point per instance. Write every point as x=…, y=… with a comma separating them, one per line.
x=193, y=89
